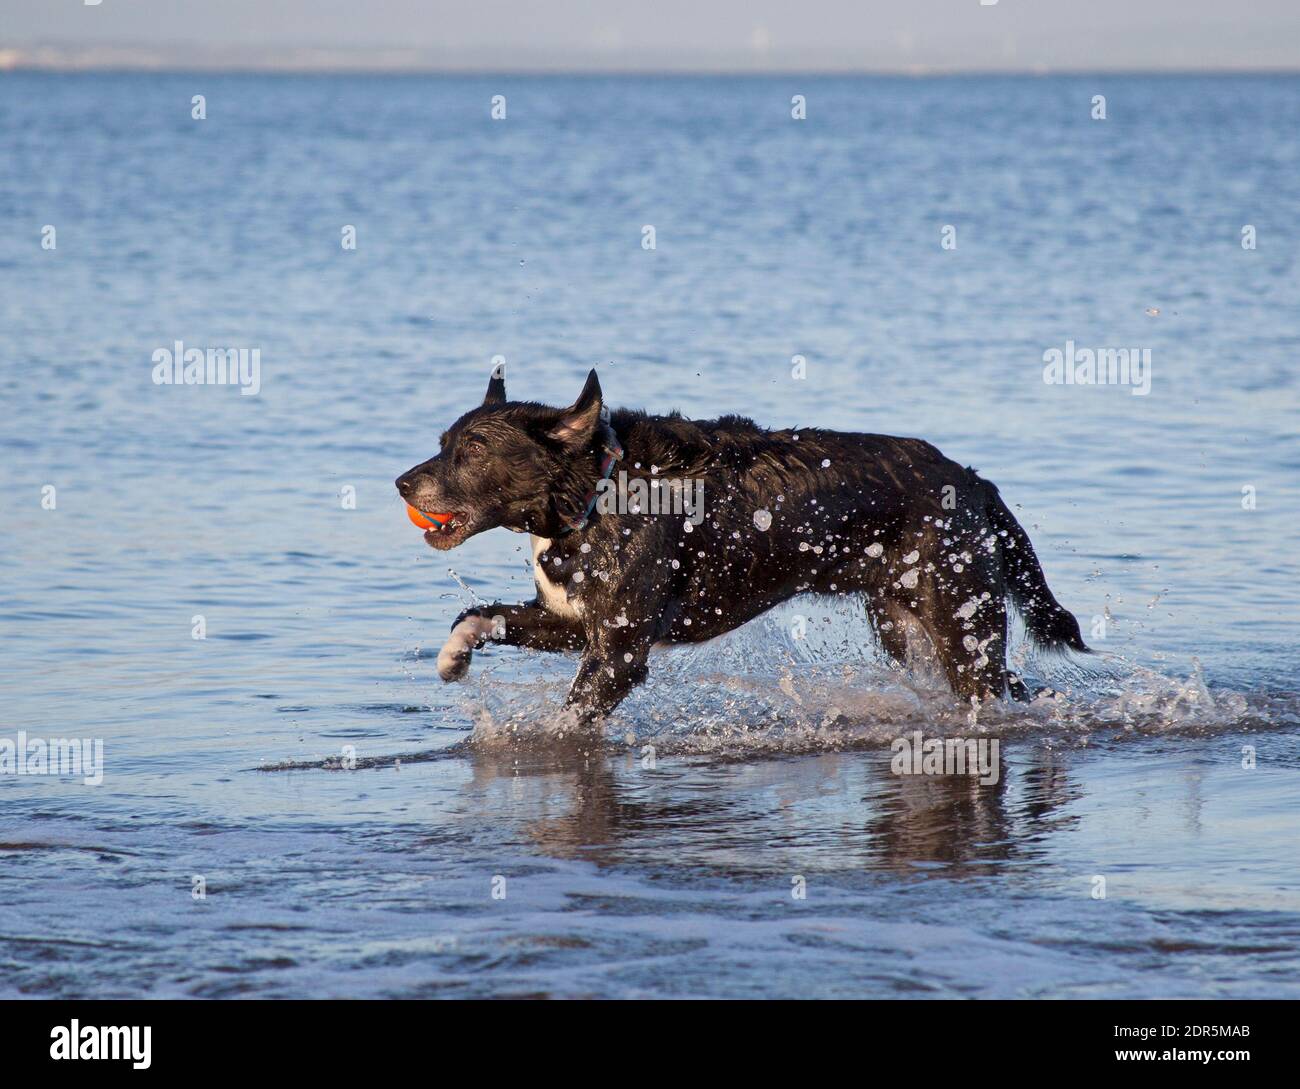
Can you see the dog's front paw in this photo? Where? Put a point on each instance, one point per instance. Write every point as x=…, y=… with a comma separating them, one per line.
x=458, y=651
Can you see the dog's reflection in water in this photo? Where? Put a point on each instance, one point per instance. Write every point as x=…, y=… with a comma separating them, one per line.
x=835, y=811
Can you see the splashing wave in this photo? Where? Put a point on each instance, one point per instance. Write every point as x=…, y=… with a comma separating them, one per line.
x=761, y=690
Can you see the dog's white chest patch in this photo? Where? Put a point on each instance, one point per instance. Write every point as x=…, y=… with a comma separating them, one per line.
x=552, y=595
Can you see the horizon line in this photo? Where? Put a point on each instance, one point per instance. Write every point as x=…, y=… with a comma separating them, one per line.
x=179, y=58
x=913, y=72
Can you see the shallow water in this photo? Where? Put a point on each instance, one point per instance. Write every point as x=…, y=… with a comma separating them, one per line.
x=522, y=238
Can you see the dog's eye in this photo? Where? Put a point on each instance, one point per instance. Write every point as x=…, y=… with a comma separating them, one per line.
x=471, y=444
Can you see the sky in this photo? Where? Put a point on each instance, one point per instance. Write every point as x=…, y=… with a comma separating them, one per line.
x=655, y=35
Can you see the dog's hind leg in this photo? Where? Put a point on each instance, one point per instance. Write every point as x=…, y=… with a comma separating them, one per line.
x=971, y=651
x=890, y=624
x=965, y=616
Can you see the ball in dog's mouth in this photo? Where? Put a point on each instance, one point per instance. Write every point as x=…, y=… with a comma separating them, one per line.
x=430, y=520
x=440, y=530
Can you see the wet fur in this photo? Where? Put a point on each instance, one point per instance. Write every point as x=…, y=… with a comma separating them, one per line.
x=832, y=497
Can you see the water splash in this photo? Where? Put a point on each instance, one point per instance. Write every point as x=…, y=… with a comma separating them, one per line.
x=794, y=682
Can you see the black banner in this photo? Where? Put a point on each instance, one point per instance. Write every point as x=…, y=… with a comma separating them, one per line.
x=334, y=1038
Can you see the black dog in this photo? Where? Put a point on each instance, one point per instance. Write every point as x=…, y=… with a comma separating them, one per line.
x=930, y=546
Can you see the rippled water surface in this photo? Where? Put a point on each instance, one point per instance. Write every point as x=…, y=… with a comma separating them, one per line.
x=522, y=238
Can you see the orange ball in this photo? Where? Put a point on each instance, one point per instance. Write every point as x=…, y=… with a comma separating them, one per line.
x=423, y=521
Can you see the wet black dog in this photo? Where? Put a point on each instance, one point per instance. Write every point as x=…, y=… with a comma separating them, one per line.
x=708, y=523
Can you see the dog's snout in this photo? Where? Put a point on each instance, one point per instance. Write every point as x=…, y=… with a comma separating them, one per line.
x=403, y=483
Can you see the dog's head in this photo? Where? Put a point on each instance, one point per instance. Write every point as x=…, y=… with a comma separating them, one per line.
x=508, y=463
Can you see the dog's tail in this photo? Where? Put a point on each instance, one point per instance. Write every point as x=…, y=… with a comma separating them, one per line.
x=1047, y=619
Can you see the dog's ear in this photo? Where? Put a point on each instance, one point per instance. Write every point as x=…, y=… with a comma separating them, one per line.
x=496, y=391
x=578, y=422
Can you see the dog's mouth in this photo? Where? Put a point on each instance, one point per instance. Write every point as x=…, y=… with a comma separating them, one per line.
x=441, y=530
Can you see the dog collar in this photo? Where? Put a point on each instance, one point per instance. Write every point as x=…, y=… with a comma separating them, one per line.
x=613, y=453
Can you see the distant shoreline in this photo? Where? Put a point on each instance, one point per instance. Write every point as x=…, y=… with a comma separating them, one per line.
x=58, y=58
x=179, y=69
